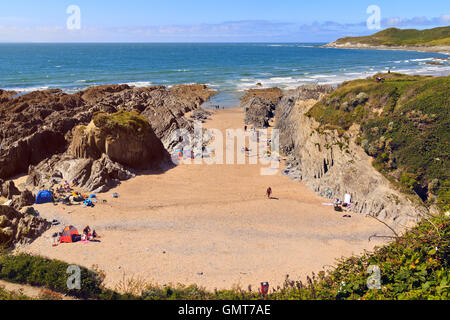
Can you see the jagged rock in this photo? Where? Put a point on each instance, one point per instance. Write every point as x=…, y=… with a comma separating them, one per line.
x=361, y=98
x=200, y=115
x=334, y=165
x=285, y=122
x=35, y=126
x=93, y=175
x=259, y=106
x=6, y=95
x=8, y=189
x=18, y=228
x=26, y=198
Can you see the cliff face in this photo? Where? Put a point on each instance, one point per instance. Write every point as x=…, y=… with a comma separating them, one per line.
x=332, y=164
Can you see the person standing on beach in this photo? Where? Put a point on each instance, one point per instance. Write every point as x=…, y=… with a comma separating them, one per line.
x=269, y=192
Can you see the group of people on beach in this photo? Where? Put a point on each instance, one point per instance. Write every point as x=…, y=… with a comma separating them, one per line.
x=88, y=235
x=64, y=187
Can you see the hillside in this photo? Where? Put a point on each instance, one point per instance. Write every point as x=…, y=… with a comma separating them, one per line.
x=403, y=124
x=393, y=38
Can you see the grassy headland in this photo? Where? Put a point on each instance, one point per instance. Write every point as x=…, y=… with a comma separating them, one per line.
x=404, y=125
x=403, y=37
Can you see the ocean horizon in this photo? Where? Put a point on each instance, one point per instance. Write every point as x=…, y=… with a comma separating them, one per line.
x=230, y=68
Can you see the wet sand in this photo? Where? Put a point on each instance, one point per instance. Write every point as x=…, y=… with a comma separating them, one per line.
x=211, y=225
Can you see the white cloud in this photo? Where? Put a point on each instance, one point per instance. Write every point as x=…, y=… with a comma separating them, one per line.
x=246, y=30
x=416, y=21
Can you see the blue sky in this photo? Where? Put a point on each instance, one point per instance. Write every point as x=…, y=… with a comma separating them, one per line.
x=210, y=21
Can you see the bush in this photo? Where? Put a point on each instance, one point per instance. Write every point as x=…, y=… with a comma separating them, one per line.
x=52, y=274
x=8, y=295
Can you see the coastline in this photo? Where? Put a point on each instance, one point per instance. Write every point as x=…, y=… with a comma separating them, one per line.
x=235, y=236
x=439, y=49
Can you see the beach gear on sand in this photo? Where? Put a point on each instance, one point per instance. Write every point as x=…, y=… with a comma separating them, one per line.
x=88, y=203
x=115, y=195
x=348, y=199
x=264, y=288
x=44, y=197
x=69, y=235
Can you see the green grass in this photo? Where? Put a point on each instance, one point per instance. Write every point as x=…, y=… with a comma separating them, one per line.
x=404, y=125
x=404, y=37
x=122, y=120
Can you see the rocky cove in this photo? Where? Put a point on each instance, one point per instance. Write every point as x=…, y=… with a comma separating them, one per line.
x=330, y=162
x=108, y=135
x=53, y=137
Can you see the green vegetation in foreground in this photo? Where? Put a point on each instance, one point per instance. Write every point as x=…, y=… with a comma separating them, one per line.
x=415, y=266
x=8, y=295
x=404, y=37
x=122, y=120
x=404, y=124
x=52, y=274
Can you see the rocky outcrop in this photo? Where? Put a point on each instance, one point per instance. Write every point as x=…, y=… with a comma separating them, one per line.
x=6, y=95
x=19, y=199
x=93, y=175
x=8, y=189
x=200, y=115
x=103, y=153
x=19, y=228
x=333, y=165
x=24, y=199
x=35, y=126
x=124, y=137
x=259, y=106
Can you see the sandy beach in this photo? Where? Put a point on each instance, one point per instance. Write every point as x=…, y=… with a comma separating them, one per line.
x=211, y=225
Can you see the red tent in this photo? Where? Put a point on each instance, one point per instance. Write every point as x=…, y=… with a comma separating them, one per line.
x=70, y=234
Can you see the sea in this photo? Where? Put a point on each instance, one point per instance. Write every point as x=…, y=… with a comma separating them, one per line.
x=229, y=68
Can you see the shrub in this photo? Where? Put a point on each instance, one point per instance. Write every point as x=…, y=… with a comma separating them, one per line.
x=52, y=274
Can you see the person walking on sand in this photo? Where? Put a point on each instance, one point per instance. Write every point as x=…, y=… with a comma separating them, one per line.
x=269, y=192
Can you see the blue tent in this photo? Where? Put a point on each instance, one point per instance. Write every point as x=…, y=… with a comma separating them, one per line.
x=44, y=197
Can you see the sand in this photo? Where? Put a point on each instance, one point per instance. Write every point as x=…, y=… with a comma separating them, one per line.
x=211, y=225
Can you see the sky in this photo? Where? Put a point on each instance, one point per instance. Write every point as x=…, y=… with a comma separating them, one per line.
x=210, y=21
